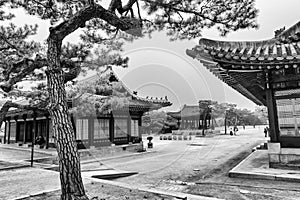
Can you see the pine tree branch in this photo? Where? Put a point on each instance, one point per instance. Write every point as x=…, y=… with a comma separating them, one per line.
x=20, y=70
x=60, y=31
x=74, y=70
x=10, y=45
x=117, y=4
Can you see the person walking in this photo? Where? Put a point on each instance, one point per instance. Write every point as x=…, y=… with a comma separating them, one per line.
x=266, y=131
x=235, y=130
x=231, y=132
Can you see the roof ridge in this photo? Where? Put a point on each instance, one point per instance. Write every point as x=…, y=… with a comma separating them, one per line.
x=237, y=44
x=290, y=31
x=110, y=71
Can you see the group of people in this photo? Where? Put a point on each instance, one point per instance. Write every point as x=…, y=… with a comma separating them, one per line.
x=234, y=131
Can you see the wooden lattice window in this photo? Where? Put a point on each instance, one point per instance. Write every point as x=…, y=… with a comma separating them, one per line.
x=82, y=129
x=135, y=128
x=288, y=111
x=120, y=128
x=101, y=128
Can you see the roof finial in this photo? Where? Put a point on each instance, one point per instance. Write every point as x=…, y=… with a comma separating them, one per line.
x=279, y=31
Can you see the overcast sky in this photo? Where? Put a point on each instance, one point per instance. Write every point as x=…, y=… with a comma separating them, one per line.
x=161, y=68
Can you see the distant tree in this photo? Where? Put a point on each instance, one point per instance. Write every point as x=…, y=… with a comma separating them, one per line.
x=181, y=20
x=206, y=110
x=262, y=113
x=154, y=121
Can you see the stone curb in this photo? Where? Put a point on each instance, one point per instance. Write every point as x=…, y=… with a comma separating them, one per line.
x=115, y=157
x=235, y=173
x=234, y=170
x=13, y=167
x=34, y=194
x=29, y=149
x=178, y=195
x=251, y=175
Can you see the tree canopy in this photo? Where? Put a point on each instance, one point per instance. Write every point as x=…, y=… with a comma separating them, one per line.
x=108, y=26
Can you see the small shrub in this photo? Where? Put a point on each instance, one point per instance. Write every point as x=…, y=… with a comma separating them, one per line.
x=161, y=137
x=185, y=137
x=174, y=137
x=179, y=137
x=165, y=137
x=169, y=137
x=149, y=138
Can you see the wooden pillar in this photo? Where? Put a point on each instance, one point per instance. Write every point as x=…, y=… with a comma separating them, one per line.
x=129, y=128
x=25, y=129
x=91, y=131
x=16, y=133
x=33, y=138
x=47, y=130
x=225, y=122
x=8, y=134
x=111, y=129
x=5, y=131
x=272, y=111
x=72, y=121
x=139, y=127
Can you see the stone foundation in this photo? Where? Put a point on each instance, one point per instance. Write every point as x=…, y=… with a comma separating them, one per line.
x=111, y=150
x=283, y=158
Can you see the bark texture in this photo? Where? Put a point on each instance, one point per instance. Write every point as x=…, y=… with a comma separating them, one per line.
x=69, y=164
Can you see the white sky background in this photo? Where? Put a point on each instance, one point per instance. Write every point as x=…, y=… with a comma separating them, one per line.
x=159, y=68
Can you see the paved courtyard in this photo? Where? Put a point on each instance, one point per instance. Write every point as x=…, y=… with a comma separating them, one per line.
x=181, y=160
x=199, y=166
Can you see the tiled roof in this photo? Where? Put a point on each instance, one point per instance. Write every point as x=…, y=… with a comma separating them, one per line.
x=242, y=64
x=187, y=111
x=281, y=51
x=135, y=101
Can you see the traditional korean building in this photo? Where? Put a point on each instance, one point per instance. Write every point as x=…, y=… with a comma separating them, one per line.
x=190, y=117
x=268, y=73
x=117, y=125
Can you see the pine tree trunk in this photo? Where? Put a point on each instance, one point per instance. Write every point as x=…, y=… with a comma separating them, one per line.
x=69, y=164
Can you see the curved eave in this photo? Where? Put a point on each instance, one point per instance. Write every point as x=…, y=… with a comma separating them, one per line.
x=223, y=75
x=265, y=54
x=161, y=102
x=20, y=112
x=291, y=34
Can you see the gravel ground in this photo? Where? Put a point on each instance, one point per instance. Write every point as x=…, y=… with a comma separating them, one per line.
x=99, y=191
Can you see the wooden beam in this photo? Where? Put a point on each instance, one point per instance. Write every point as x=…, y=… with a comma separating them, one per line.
x=16, y=133
x=33, y=138
x=25, y=129
x=47, y=131
x=5, y=132
x=272, y=116
x=8, y=135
